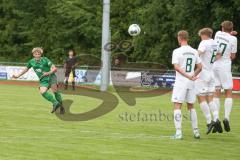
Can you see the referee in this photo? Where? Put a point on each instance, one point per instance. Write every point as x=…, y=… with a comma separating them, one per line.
x=69, y=66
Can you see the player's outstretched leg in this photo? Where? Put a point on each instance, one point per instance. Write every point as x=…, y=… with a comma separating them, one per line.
x=58, y=97
x=194, y=120
x=50, y=98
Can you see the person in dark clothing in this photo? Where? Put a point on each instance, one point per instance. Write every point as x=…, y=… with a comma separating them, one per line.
x=69, y=66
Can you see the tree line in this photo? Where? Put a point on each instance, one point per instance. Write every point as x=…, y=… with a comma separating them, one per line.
x=60, y=25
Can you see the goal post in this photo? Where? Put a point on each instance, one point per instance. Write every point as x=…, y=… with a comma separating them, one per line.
x=105, y=57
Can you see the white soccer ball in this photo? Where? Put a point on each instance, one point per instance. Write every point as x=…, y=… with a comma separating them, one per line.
x=134, y=30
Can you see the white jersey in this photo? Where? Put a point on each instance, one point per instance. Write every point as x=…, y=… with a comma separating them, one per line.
x=186, y=57
x=227, y=44
x=209, y=51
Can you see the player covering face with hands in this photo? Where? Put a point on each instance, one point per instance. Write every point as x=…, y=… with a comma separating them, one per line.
x=184, y=60
x=45, y=70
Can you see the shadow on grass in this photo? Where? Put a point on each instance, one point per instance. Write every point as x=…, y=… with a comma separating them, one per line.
x=109, y=103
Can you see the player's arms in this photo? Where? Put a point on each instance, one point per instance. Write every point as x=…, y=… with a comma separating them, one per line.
x=233, y=56
x=234, y=33
x=218, y=56
x=53, y=70
x=21, y=73
x=181, y=71
x=75, y=65
x=197, y=71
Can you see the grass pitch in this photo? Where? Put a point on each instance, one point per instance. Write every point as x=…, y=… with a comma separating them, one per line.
x=28, y=131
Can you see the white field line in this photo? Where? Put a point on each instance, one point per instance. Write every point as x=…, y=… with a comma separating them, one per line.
x=95, y=135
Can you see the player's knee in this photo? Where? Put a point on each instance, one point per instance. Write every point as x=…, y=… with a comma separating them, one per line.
x=217, y=92
x=177, y=105
x=228, y=93
x=42, y=90
x=201, y=97
x=190, y=106
x=54, y=89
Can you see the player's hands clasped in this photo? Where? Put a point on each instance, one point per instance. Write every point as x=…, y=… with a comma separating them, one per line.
x=192, y=78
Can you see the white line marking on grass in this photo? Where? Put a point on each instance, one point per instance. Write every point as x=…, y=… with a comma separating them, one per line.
x=111, y=136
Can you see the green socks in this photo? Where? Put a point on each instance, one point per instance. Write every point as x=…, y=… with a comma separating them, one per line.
x=49, y=97
x=58, y=97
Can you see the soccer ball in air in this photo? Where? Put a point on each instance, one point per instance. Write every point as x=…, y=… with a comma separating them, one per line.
x=134, y=30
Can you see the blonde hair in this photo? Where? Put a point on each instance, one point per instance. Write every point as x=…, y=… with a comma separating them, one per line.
x=205, y=31
x=37, y=49
x=183, y=35
x=227, y=26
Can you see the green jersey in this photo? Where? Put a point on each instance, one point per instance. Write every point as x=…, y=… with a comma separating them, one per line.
x=41, y=66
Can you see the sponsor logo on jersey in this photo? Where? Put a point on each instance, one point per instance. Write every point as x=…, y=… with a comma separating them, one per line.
x=38, y=70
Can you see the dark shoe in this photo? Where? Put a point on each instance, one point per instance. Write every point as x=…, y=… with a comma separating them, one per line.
x=62, y=110
x=210, y=126
x=214, y=130
x=55, y=107
x=218, y=126
x=226, y=125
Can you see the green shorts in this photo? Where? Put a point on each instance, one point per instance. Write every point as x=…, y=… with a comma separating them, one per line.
x=48, y=82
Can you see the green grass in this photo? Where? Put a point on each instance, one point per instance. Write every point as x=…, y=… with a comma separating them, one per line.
x=29, y=132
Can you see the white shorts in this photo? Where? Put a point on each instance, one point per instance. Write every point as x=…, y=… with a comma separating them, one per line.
x=205, y=84
x=223, y=79
x=182, y=94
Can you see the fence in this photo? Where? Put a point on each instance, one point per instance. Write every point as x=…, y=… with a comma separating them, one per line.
x=118, y=77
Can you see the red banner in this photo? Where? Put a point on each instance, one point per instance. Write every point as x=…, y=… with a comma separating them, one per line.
x=236, y=84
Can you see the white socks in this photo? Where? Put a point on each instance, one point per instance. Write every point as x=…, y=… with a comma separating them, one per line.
x=217, y=102
x=214, y=109
x=193, y=116
x=178, y=121
x=206, y=111
x=228, y=107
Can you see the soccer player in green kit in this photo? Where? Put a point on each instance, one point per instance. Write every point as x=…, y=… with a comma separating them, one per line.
x=45, y=70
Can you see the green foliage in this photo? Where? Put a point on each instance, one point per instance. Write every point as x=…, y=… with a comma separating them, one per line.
x=59, y=25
